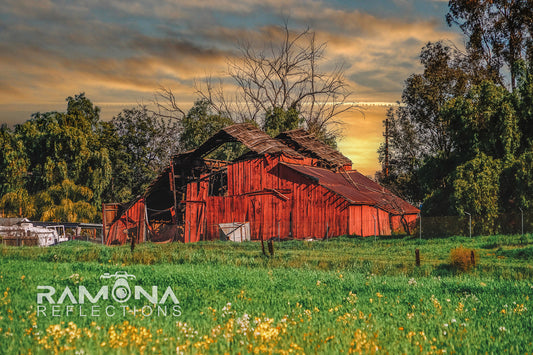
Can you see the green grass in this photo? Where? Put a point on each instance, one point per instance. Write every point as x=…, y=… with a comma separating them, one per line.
x=325, y=297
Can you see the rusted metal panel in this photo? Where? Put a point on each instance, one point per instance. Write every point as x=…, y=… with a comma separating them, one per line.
x=356, y=188
x=306, y=144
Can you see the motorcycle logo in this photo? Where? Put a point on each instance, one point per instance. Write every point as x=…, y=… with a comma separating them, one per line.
x=121, y=291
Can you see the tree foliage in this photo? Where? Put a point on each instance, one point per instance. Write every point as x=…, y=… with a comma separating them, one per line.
x=61, y=166
x=66, y=146
x=476, y=186
x=460, y=140
x=417, y=129
x=142, y=144
x=13, y=162
x=498, y=33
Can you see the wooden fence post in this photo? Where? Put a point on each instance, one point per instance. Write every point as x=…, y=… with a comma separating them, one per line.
x=271, y=247
x=417, y=257
x=263, y=245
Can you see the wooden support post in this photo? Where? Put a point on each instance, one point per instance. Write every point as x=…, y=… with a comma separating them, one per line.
x=417, y=257
x=271, y=247
x=132, y=241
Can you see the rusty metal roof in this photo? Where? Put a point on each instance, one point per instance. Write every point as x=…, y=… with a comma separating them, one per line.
x=252, y=137
x=306, y=144
x=356, y=188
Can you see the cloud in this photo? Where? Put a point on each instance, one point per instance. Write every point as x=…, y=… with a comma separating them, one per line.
x=123, y=50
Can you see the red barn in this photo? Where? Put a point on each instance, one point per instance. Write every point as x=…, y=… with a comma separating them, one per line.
x=291, y=186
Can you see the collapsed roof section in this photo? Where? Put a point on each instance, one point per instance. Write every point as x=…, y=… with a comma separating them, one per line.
x=252, y=137
x=296, y=143
x=306, y=144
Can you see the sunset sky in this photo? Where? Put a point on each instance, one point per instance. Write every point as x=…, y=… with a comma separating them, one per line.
x=120, y=52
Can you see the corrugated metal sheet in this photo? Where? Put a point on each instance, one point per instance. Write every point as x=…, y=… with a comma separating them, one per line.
x=249, y=135
x=356, y=188
x=304, y=143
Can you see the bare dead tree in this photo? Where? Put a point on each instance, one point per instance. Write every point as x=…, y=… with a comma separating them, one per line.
x=166, y=105
x=284, y=74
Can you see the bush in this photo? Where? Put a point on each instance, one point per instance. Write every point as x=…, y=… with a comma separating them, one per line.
x=463, y=259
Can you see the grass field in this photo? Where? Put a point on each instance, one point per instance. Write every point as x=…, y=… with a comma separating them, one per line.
x=347, y=295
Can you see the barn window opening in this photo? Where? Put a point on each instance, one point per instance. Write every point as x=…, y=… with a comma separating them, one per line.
x=218, y=183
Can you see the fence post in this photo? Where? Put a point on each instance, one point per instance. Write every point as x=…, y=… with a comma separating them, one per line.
x=417, y=257
x=469, y=223
x=420, y=220
x=271, y=247
x=522, y=218
x=263, y=245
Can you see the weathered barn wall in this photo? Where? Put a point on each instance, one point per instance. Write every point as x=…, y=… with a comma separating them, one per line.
x=369, y=220
x=276, y=202
x=398, y=226
x=131, y=223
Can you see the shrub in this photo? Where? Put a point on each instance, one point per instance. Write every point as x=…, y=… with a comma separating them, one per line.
x=463, y=259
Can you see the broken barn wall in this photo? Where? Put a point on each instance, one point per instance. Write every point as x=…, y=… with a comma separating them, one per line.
x=131, y=223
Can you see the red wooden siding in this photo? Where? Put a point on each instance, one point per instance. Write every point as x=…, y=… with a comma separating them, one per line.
x=132, y=221
x=276, y=201
x=279, y=201
x=410, y=219
x=294, y=187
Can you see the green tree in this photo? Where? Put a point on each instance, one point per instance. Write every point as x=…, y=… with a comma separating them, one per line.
x=278, y=120
x=525, y=105
x=416, y=130
x=18, y=203
x=484, y=121
x=142, y=144
x=66, y=202
x=13, y=162
x=498, y=33
x=476, y=187
x=517, y=184
x=199, y=124
x=65, y=147
x=120, y=188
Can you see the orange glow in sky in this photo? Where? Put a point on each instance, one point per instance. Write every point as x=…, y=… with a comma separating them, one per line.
x=362, y=136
